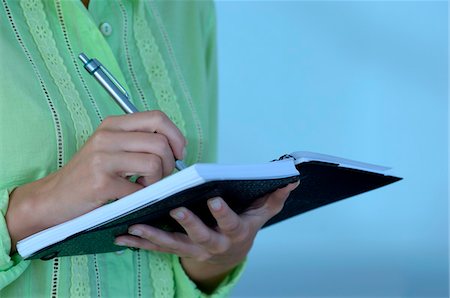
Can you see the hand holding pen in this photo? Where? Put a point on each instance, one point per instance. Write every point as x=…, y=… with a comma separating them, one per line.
x=113, y=87
x=121, y=146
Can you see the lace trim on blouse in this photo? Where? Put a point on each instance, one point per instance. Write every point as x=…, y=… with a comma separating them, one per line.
x=75, y=60
x=182, y=83
x=125, y=40
x=162, y=274
x=156, y=70
x=40, y=30
x=79, y=277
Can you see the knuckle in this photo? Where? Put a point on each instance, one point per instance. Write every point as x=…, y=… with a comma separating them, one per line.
x=275, y=208
x=154, y=165
x=99, y=184
x=275, y=204
x=232, y=227
x=97, y=161
x=107, y=122
x=100, y=139
x=243, y=235
x=222, y=248
x=158, y=116
x=203, y=257
x=169, y=170
x=161, y=142
x=278, y=209
x=100, y=181
x=173, y=246
x=203, y=237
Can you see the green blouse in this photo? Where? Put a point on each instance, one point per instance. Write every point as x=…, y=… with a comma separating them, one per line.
x=163, y=52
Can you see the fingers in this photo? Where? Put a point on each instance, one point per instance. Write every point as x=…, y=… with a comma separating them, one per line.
x=228, y=222
x=201, y=241
x=103, y=190
x=275, y=201
x=273, y=204
x=148, y=237
x=199, y=233
x=150, y=122
x=122, y=188
x=152, y=143
x=225, y=246
x=142, y=144
x=147, y=166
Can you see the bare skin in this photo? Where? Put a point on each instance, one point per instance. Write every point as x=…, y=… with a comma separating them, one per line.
x=208, y=255
x=121, y=146
x=143, y=144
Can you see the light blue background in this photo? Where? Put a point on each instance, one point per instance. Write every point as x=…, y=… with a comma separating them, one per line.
x=361, y=80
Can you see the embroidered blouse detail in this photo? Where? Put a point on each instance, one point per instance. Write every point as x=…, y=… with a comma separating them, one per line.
x=162, y=275
x=198, y=155
x=43, y=39
x=156, y=70
x=75, y=60
x=40, y=29
x=125, y=39
x=79, y=277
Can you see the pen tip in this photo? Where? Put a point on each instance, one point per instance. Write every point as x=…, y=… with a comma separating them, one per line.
x=180, y=165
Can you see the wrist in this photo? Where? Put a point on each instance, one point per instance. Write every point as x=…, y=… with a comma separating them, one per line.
x=207, y=276
x=27, y=211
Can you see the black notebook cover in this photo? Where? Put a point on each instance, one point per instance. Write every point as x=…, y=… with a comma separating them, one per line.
x=325, y=183
x=321, y=184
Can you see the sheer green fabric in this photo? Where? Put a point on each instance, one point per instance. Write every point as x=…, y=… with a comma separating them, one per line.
x=164, y=54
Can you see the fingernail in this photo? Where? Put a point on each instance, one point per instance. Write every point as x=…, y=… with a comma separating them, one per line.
x=178, y=214
x=128, y=174
x=215, y=204
x=135, y=232
x=120, y=243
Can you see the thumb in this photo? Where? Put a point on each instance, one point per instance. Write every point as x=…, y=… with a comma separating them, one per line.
x=273, y=204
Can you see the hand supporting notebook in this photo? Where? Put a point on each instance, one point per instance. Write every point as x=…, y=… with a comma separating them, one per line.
x=206, y=252
x=324, y=179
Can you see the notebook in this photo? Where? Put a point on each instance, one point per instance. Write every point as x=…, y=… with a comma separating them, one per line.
x=324, y=179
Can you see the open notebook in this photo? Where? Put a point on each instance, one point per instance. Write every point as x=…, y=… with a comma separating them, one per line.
x=324, y=179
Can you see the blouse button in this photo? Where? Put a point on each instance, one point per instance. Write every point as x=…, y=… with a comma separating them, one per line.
x=106, y=29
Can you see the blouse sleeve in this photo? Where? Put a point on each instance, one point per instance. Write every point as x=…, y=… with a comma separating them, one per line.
x=185, y=287
x=10, y=266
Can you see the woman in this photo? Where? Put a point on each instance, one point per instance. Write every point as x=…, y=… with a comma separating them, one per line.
x=63, y=154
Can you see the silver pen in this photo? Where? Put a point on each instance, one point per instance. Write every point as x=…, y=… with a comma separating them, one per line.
x=113, y=87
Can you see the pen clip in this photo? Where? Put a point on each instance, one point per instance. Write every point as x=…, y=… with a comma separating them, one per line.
x=115, y=82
